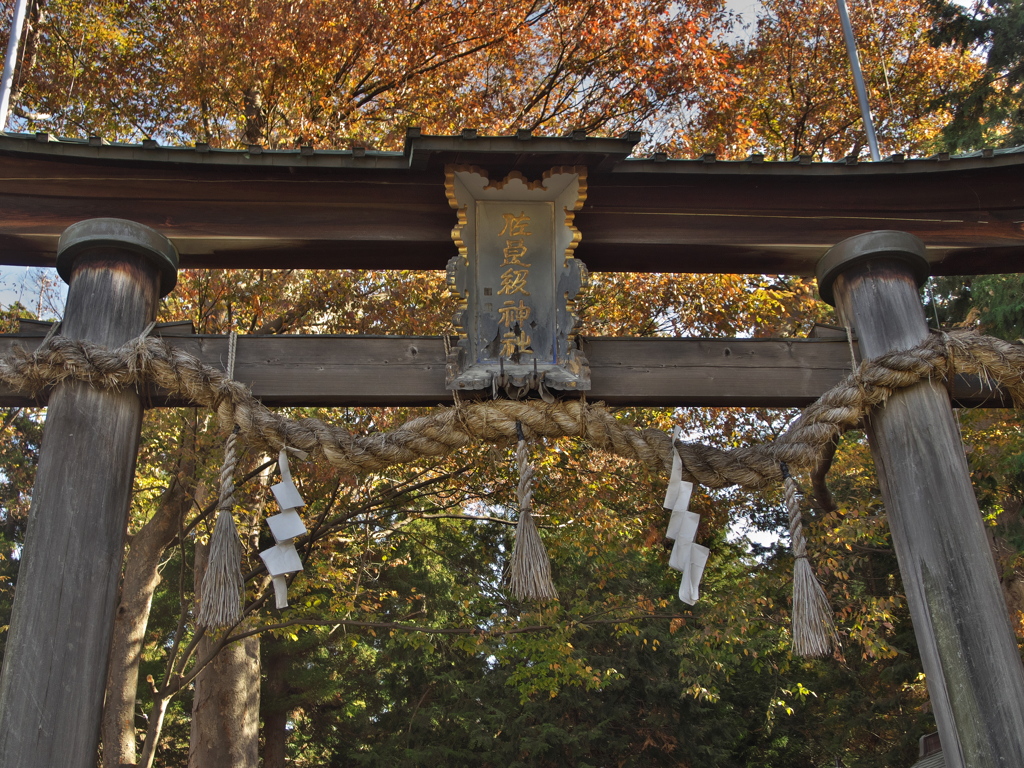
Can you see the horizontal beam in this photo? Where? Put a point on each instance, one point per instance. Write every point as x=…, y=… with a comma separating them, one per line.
x=409, y=371
x=340, y=210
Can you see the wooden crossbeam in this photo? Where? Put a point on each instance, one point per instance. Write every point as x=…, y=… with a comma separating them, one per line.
x=409, y=370
x=388, y=210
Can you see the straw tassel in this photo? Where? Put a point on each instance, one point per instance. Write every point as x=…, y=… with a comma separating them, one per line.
x=813, y=627
x=530, y=574
x=220, y=603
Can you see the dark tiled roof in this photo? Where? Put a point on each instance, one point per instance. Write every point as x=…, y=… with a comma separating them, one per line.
x=611, y=154
x=932, y=761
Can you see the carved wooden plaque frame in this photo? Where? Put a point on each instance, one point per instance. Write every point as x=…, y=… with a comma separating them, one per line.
x=518, y=280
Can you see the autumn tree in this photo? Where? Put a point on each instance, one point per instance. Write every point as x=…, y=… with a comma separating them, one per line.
x=988, y=110
x=796, y=94
x=338, y=72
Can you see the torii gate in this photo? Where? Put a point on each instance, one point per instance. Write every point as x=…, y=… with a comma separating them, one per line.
x=387, y=210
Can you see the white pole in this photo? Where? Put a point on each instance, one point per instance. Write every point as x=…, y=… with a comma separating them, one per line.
x=858, y=80
x=7, y=83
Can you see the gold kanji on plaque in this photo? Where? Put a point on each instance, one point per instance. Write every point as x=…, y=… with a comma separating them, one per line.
x=514, y=252
x=514, y=281
x=512, y=314
x=515, y=226
x=518, y=280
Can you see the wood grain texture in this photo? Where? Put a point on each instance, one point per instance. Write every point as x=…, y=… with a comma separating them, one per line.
x=388, y=212
x=970, y=658
x=409, y=371
x=51, y=692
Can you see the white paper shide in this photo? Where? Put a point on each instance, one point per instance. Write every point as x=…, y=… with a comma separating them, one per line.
x=283, y=559
x=688, y=557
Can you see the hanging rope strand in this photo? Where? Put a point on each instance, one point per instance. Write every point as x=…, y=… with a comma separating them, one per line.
x=813, y=625
x=220, y=604
x=530, y=576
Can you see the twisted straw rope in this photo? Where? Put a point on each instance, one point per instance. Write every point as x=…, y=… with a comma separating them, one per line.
x=530, y=572
x=221, y=595
x=813, y=625
x=183, y=376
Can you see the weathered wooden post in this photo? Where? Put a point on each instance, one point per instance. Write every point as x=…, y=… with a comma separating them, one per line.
x=51, y=692
x=974, y=673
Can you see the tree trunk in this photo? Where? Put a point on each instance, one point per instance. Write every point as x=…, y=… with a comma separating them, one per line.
x=255, y=117
x=275, y=715
x=141, y=577
x=226, y=707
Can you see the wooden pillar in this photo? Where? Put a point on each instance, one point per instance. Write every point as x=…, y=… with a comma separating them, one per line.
x=51, y=691
x=973, y=670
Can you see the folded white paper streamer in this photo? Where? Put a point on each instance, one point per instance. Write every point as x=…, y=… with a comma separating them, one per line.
x=283, y=558
x=687, y=557
x=682, y=527
x=285, y=492
x=286, y=526
x=280, y=592
x=676, y=476
x=697, y=558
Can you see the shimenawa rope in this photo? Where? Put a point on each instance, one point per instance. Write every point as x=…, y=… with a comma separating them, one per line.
x=183, y=376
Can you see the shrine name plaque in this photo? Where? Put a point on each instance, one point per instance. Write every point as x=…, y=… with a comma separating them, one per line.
x=518, y=281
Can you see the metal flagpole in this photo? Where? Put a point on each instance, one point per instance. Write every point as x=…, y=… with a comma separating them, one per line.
x=858, y=80
x=7, y=83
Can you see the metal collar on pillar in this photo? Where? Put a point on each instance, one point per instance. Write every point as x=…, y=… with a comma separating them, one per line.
x=123, y=236
x=871, y=246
